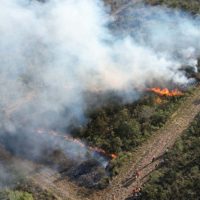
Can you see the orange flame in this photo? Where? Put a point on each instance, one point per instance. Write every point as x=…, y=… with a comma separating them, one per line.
x=166, y=92
x=113, y=156
x=78, y=142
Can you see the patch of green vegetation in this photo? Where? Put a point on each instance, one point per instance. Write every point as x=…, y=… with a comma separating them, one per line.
x=179, y=177
x=36, y=191
x=119, y=128
x=15, y=195
x=192, y=6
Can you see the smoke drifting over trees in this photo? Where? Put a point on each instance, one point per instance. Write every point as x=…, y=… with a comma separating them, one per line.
x=52, y=53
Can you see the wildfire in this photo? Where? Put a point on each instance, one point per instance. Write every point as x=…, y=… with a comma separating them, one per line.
x=78, y=142
x=166, y=92
x=113, y=156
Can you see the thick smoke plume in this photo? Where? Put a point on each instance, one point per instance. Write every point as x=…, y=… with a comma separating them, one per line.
x=53, y=53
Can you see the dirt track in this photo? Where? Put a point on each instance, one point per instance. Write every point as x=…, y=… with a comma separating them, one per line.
x=122, y=186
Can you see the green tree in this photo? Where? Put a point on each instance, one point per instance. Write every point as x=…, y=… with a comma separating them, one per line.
x=15, y=195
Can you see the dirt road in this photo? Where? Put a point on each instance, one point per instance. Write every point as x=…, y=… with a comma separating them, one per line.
x=122, y=186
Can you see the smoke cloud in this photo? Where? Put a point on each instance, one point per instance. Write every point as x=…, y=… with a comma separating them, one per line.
x=53, y=53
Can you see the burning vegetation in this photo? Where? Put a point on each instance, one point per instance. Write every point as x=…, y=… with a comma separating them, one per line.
x=78, y=142
x=166, y=92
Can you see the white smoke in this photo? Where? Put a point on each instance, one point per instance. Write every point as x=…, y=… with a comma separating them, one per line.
x=52, y=53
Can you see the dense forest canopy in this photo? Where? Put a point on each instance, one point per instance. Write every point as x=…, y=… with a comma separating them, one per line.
x=116, y=127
